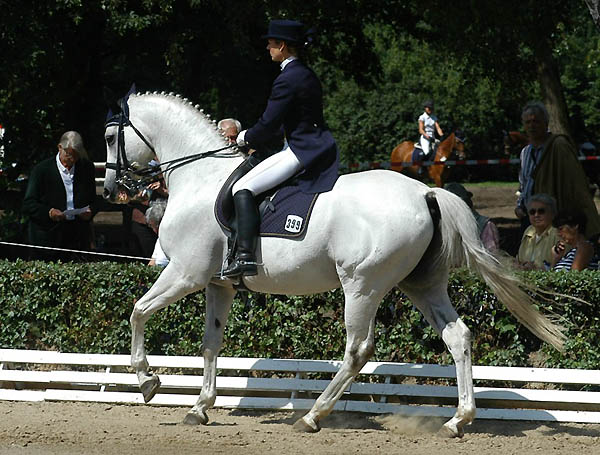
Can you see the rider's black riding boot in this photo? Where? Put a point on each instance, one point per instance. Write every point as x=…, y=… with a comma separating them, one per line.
x=247, y=234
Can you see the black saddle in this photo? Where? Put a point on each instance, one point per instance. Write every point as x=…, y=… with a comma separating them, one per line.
x=284, y=210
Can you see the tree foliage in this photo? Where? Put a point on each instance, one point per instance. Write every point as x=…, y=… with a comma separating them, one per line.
x=377, y=59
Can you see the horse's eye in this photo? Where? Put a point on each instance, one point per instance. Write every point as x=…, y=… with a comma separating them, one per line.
x=110, y=140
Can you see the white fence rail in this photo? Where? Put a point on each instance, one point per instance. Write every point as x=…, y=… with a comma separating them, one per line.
x=278, y=384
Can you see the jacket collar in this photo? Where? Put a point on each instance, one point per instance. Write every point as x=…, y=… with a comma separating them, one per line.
x=287, y=61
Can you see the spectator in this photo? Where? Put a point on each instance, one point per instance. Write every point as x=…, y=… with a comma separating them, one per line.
x=230, y=128
x=541, y=236
x=571, y=227
x=488, y=232
x=61, y=200
x=154, y=216
x=428, y=127
x=145, y=237
x=549, y=165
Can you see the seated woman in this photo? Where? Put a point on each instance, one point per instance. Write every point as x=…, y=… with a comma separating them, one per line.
x=488, y=232
x=571, y=227
x=539, y=238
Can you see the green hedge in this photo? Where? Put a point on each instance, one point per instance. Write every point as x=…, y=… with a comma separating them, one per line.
x=86, y=308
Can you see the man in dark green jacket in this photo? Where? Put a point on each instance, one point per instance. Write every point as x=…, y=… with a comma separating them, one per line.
x=61, y=199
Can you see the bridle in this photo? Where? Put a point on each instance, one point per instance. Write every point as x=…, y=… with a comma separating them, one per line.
x=134, y=179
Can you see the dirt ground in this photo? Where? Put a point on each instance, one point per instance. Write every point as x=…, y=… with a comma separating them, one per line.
x=93, y=428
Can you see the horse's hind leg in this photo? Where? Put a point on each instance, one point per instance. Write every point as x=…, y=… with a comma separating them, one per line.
x=218, y=305
x=359, y=317
x=169, y=287
x=434, y=303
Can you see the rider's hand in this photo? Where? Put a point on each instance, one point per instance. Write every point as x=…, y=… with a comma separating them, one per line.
x=240, y=138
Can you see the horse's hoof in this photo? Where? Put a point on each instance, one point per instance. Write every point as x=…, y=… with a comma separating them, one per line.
x=450, y=431
x=150, y=387
x=193, y=418
x=302, y=426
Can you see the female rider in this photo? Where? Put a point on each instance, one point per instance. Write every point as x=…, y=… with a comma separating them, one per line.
x=428, y=126
x=309, y=151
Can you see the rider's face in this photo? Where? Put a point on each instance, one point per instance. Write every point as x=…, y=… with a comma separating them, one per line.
x=275, y=48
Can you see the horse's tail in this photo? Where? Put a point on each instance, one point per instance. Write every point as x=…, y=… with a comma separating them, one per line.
x=461, y=245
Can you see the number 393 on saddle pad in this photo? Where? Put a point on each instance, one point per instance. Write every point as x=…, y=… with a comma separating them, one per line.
x=284, y=211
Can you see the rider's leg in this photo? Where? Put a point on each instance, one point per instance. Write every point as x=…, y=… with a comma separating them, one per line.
x=269, y=173
x=264, y=176
x=425, y=145
x=247, y=234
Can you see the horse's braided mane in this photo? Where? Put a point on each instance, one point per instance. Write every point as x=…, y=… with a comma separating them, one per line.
x=186, y=103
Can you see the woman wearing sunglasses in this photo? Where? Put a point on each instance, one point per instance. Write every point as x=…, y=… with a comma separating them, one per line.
x=541, y=236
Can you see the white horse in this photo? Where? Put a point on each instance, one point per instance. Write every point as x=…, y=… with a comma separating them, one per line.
x=374, y=230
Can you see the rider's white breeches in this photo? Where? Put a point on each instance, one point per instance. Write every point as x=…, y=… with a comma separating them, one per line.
x=270, y=172
x=425, y=145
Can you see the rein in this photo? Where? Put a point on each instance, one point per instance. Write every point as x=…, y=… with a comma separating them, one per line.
x=134, y=179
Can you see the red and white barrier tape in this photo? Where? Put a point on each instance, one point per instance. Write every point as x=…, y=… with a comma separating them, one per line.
x=387, y=165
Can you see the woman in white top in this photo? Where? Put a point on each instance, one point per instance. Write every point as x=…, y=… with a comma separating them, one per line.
x=428, y=126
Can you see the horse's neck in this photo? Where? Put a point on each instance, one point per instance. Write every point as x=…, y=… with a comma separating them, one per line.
x=446, y=146
x=178, y=131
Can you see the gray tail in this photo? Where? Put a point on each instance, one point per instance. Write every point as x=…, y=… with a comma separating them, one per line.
x=461, y=246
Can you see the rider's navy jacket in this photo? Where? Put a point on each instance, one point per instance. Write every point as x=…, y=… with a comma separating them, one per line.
x=296, y=102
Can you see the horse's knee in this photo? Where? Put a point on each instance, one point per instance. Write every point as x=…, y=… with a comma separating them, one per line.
x=457, y=337
x=138, y=314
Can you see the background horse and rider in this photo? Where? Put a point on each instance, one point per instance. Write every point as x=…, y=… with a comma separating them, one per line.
x=452, y=145
x=353, y=242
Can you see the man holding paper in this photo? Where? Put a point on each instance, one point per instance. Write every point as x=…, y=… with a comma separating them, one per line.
x=61, y=198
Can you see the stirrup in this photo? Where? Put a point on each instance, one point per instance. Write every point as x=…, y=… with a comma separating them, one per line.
x=241, y=267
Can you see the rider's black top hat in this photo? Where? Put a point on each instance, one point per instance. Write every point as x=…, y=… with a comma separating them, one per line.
x=286, y=30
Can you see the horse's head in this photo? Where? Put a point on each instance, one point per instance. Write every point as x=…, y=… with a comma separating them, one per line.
x=459, y=144
x=453, y=143
x=128, y=154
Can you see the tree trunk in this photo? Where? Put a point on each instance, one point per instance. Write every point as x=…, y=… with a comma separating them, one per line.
x=594, y=7
x=552, y=91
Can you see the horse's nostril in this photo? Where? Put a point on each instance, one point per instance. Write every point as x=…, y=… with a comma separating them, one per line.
x=106, y=193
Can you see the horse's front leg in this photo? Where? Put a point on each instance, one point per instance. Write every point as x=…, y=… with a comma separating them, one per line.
x=218, y=305
x=169, y=287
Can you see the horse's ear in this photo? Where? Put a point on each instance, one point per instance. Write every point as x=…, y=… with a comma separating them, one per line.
x=111, y=101
x=131, y=91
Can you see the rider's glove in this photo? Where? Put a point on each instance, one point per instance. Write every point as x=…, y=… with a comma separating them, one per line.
x=240, y=138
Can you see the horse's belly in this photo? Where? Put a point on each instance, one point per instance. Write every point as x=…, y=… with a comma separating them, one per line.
x=294, y=268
